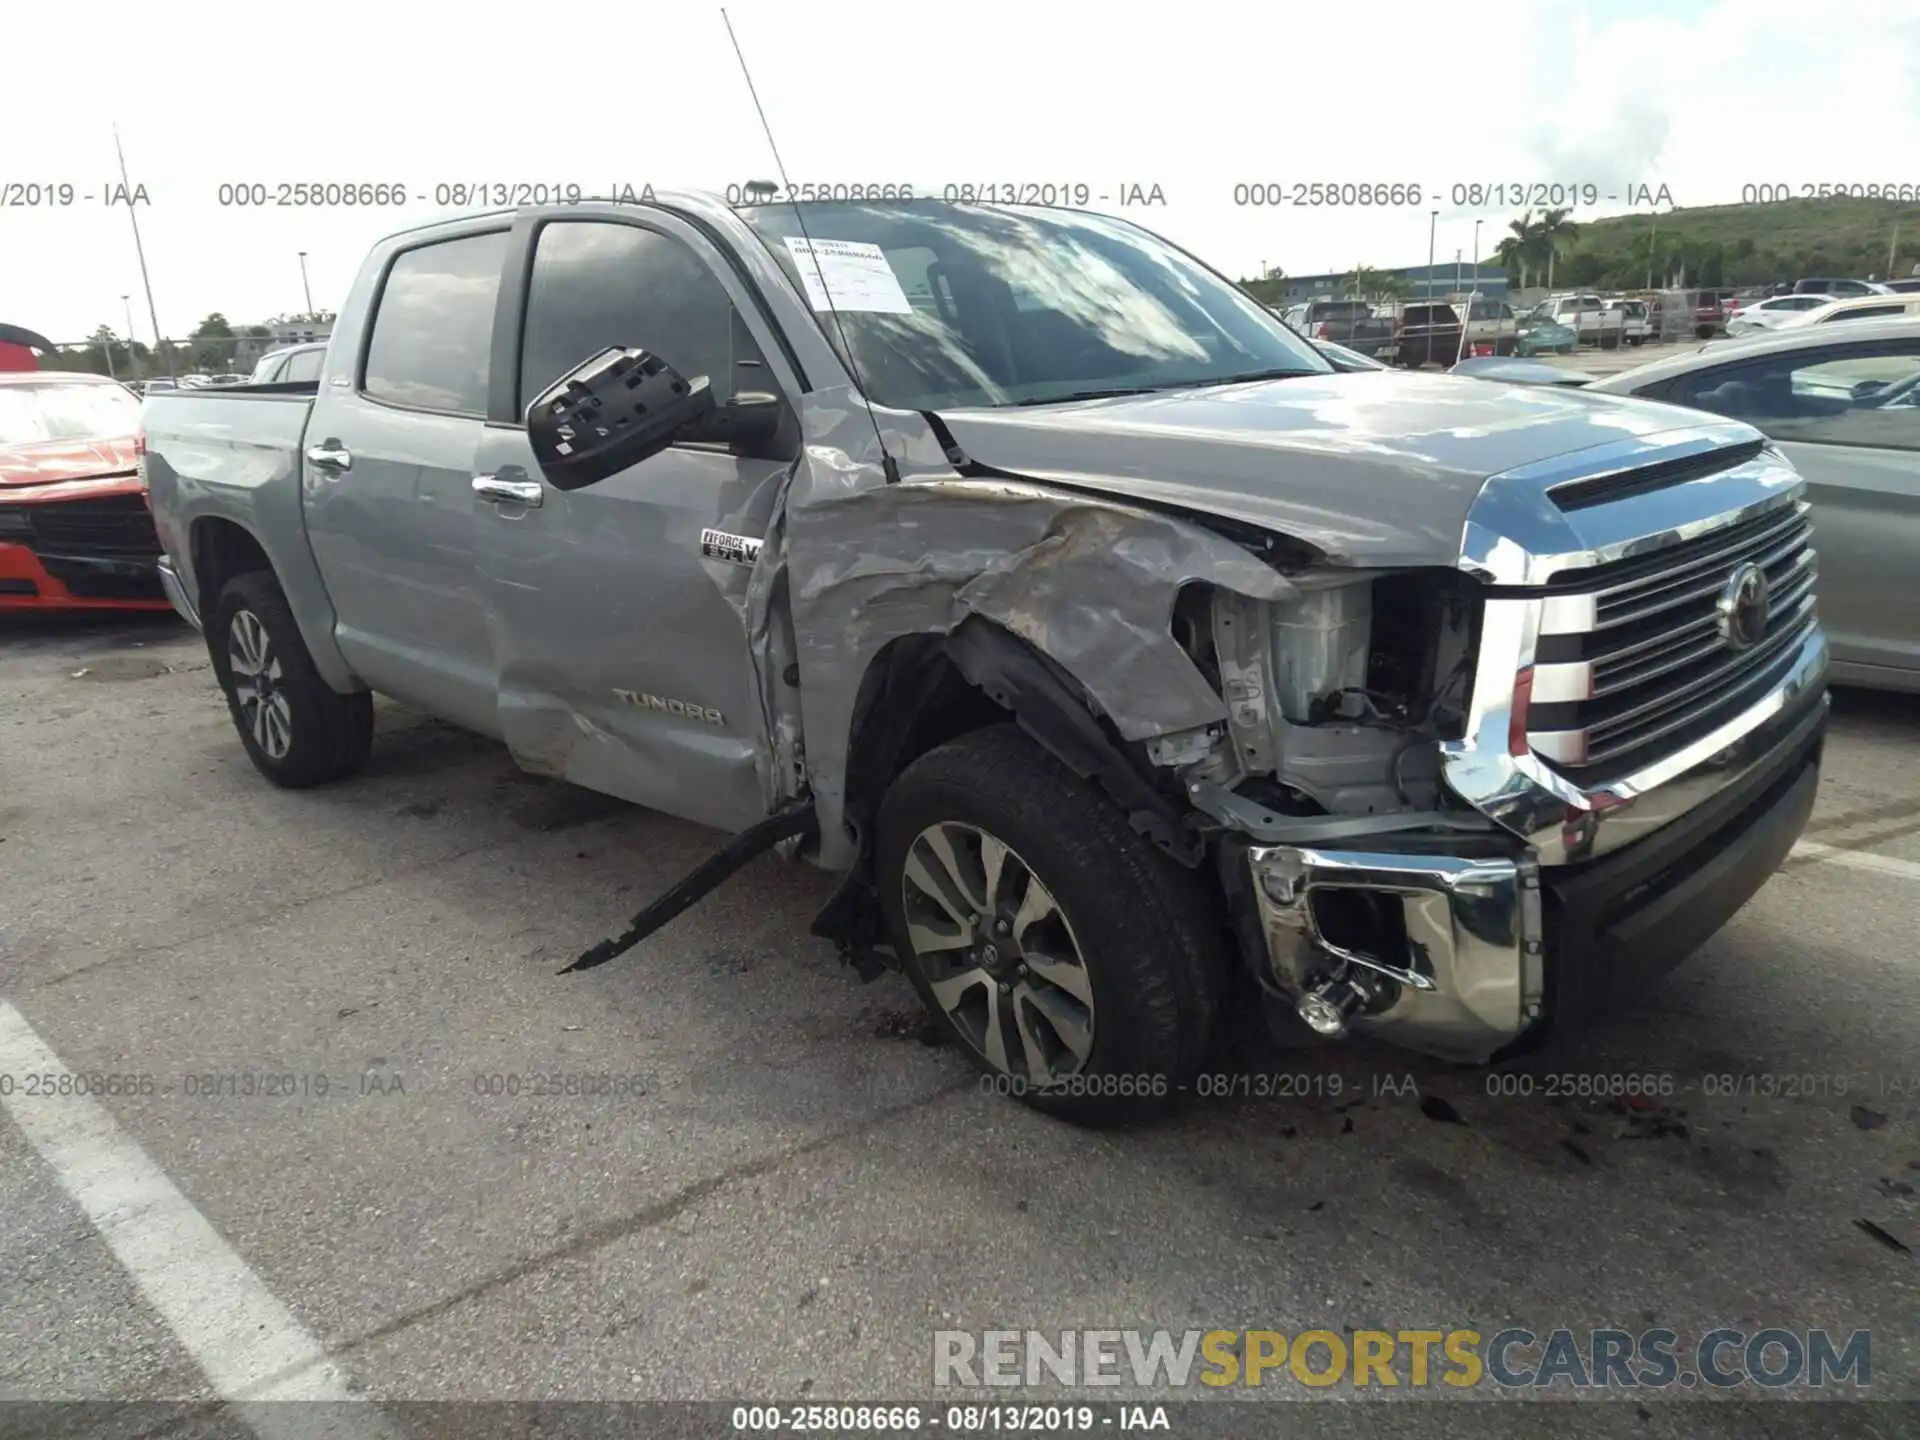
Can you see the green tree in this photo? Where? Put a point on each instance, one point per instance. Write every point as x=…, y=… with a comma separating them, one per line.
x=214, y=350
x=1268, y=289
x=1522, y=249
x=1557, y=233
x=1367, y=283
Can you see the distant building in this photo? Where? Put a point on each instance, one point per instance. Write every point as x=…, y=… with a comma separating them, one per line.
x=1444, y=279
x=249, y=348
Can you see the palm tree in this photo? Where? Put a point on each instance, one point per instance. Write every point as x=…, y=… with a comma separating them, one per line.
x=1555, y=230
x=1520, y=248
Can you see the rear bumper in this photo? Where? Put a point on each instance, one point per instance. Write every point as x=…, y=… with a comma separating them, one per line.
x=1475, y=957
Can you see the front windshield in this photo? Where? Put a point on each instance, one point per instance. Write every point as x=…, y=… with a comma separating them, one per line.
x=959, y=305
x=39, y=412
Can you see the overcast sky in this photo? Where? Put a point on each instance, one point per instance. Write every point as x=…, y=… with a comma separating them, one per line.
x=1702, y=98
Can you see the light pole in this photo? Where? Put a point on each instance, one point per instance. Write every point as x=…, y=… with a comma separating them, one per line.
x=304, y=290
x=1472, y=295
x=146, y=281
x=1433, y=222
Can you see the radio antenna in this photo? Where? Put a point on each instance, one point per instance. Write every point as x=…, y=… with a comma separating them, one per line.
x=887, y=463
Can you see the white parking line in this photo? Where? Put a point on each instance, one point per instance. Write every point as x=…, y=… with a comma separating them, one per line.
x=1856, y=860
x=247, y=1342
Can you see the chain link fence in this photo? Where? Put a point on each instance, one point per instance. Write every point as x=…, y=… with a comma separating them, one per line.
x=202, y=360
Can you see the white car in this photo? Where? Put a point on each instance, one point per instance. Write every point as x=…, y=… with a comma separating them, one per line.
x=1758, y=315
x=1855, y=307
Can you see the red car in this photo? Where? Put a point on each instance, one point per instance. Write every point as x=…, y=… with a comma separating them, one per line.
x=75, y=529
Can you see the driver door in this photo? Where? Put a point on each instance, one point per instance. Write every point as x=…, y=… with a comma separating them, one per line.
x=620, y=650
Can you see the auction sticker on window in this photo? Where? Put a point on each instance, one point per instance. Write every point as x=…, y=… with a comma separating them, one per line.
x=857, y=276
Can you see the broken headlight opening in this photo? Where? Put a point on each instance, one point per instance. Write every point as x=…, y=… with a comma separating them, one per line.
x=1325, y=782
x=1337, y=698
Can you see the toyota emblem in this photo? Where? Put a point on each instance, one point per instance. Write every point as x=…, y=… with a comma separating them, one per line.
x=1741, y=611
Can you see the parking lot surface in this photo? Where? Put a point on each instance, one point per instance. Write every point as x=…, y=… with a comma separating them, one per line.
x=767, y=1183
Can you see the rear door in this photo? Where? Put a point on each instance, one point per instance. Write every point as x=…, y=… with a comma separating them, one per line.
x=388, y=473
x=1848, y=416
x=618, y=617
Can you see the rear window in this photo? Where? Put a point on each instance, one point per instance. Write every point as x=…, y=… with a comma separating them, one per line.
x=1345, y=309
x=1429, y=315
x=41, y=411
x=433, y=330
x=305, y=365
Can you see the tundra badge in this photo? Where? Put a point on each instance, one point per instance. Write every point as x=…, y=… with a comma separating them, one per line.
x=730, y=549
x=703, y=713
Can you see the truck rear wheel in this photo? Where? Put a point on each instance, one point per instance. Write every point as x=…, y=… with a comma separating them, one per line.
x=298, y=730
x=1076, y=964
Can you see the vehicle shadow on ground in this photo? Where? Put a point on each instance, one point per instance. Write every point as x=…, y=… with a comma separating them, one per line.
x=1880, y=712
x=31, y=631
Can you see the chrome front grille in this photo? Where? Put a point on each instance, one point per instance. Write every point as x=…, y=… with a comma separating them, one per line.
x=1636, y=658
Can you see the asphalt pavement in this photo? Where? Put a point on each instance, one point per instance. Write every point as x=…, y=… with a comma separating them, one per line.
x=334, y=1155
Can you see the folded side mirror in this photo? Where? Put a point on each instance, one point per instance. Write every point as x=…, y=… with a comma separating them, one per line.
x=613, y=411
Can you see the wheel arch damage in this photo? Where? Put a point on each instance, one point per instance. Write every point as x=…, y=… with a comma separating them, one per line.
x=957, y=598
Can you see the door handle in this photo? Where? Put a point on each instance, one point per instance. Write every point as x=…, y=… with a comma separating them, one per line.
x=520, y=492
x=330, y=455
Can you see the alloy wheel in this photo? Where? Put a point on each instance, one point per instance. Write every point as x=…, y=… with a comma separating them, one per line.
x=998, y=953
x=256, y=674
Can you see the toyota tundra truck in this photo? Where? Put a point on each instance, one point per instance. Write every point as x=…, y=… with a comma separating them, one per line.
x=1133, y=666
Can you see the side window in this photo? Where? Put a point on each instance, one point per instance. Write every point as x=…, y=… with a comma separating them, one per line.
x=433, y=330
x=303, y=366
x=597, y=284
x=1864, y=395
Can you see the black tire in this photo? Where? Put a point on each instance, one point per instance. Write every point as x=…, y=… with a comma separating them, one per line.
x=1151, y=953
x=310, y=733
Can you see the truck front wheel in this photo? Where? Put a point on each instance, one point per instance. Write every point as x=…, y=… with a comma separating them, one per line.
x=1077, y=965
x=297, y=729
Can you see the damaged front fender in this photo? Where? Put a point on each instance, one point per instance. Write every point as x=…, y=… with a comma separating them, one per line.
x=1088, y=583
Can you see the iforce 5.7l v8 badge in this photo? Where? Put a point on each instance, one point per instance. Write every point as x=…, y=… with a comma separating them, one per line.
x=729, y=549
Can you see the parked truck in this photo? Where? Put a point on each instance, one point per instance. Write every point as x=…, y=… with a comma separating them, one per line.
x=1588, y=316
x=1132, y=667
x=1351, y=323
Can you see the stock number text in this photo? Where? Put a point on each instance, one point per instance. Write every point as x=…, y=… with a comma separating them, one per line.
x=1321, y=193
x=1773, y=192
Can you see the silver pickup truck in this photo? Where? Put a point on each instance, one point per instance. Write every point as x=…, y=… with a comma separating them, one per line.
x=1136, y=667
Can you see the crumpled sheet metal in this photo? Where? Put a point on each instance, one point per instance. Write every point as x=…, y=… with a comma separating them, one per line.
x=1090, y=583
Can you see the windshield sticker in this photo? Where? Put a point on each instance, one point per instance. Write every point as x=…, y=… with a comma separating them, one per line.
x=857, y=276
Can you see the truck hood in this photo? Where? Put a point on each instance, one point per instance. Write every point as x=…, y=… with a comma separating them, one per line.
x=49, y=461
x=1374, y=468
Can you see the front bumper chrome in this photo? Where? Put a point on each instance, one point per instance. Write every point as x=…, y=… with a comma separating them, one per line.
x=1471, y=978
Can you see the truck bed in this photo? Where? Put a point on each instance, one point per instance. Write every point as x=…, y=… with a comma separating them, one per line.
x=207, y=454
